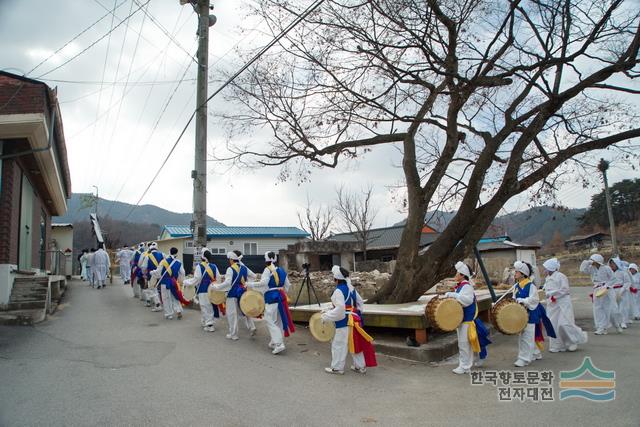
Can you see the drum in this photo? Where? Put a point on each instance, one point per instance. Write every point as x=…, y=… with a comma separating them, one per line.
x=445, y=314
x=509, y=317
x=322, y=331
x=189, y=292
x=217, y=297
x=252, y=303
x=600, y=292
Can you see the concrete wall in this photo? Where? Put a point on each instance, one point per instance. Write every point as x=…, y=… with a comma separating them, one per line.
x=62, y=239
x=6, y=283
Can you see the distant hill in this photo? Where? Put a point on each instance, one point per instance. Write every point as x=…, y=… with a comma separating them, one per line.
x=147, y=214
x=535, y=225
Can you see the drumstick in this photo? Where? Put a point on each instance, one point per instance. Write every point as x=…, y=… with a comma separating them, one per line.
x=506, y=293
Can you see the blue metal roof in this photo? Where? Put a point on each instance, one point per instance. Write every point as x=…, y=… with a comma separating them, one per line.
x=224, y=231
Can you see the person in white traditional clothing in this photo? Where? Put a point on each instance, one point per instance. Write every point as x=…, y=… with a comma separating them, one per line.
x=477, y=341
x=634, y=290
x=621, y=288
x=170, y=274
x=151, y=262
x=603, y=296
x=560, y=310
x=83, y=264
x=346, y=313
x=90, y=273
x=136, y=272
x=124, y=256
x=274, y=284
x=204, y=276
x=526, y=293
x=235, y=280
x=100, y=267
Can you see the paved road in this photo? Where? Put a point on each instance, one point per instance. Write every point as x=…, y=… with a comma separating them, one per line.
x=102, y=359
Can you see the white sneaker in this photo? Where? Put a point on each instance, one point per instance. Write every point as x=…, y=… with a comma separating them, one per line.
x=156, y=309
x=479, y=363
x=555, y=350
x=520, y=363
x=168, y=317
x=209, y=328
x=359, y=370
x=573, y=347
x=623, y=326
x=333, y=371
x=272, y=345
x=600, y=332
x=232, y=337
x=538, y=356
x=253, y=332
x=278, y=349
x=619, y=329
x=460, y=371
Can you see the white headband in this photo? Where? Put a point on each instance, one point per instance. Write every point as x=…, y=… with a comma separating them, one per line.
x=522, y=268
x=267, y=258
x=204, y=258
x=463, y=269
x=634, y=266
x=597, y=258
x=618, y=262
x=232, y=255
x=337, y=274
x=551, y=264
x=153, y=245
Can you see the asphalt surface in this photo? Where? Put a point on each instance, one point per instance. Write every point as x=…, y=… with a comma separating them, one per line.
x=103, y=359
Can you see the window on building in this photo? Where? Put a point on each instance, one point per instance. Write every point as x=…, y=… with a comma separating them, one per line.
x=250, y=249
x=222, y=251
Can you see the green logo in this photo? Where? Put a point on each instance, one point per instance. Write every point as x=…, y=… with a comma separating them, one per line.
x=588, y=382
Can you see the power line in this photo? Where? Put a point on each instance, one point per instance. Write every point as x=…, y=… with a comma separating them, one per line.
x=92, y=44
x=166, y=33
x=72, y=40
x=262, y=51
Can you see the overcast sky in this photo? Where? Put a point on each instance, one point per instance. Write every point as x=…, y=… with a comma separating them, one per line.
x=117, y=142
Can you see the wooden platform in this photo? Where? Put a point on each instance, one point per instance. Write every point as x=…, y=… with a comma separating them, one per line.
x=409, y=315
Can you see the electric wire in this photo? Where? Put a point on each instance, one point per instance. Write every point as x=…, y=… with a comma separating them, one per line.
x=262, y=51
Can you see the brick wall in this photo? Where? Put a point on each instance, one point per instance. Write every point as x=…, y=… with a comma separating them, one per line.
x=9, y=212
x=21, y=97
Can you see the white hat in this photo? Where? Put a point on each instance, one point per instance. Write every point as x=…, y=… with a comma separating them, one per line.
x=634, y=266
x=522, y=268
x=618, y=262
x=597, y=258
x=153, y=245
x=463, y=269
x=232, y=255
x=337, y=274
x=551, y=264
x=267, y=258
x=204, y=258
x=141, y=245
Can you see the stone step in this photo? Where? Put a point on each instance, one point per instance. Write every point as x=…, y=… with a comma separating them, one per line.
x=26, y=305
x=31, y=295
x=23, y=290
x=30, y=284
x=22, y=317
x=27, y=299
x=35, y=279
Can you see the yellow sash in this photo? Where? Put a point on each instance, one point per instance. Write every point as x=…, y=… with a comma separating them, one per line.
x=153, y=259
x=472, y=332
x=351, y=324
x=208, y=270
x=236, y=268
x=274, y=273
x=167, y=267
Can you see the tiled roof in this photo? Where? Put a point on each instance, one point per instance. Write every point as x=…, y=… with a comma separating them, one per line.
x=223, y=231
x=382, y=238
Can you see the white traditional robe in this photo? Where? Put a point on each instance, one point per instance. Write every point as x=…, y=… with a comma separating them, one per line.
x=271, y=314
x=101, y=265
x=635, y=296
x=233, y=305
x=605, y=309
x=560, y=312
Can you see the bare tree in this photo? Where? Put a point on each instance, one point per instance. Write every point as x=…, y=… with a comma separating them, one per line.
x=317, y=222
x=356, y=215
x=485, y=99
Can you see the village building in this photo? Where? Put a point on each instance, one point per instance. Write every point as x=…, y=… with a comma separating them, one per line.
x=499, y=253
x=61, y=250
x=253, y=241
x=35, y=181
x=590, y=241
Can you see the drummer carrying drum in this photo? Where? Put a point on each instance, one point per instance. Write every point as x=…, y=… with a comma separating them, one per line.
x=235, y=280
x=349, y=337
x=274, y=284
x=530, y=340
x=205, y=274
x=473, y=336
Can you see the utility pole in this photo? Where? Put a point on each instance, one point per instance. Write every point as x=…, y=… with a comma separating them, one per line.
x=96, y=199
x=199, y=173
x=603, y=166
